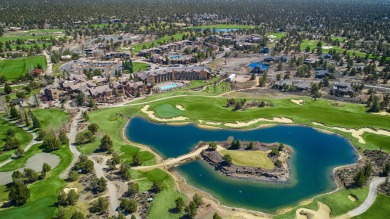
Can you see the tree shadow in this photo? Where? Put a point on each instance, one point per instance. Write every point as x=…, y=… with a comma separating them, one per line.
x=173, y=211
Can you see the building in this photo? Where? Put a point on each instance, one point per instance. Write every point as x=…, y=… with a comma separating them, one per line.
x=170, y=74
x=322, y=74
x=341, y=89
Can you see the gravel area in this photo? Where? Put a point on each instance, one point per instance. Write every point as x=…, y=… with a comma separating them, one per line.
x=35, y=162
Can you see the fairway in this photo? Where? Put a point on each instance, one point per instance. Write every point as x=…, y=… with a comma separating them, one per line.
x=140, y=66
x=160, y=41
x=250, y=158
x=13, y=68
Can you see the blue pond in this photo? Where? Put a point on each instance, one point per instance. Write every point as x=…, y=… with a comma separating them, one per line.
x=315, y=155
x=259, y=65
x=174, y=56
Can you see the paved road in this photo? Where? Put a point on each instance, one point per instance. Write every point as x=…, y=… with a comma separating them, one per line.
x=32, y=142
x=173, y=161
x=72, y=136
x=375, y=182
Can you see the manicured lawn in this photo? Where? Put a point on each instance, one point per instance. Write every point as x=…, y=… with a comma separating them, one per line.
x=165, y=200
x=250, y=158
x=41, y=204
x=19, y=163
x=380, y=208
x=223, y=26
x=167, y=111
x=13, y=68
x=338, y=202
x=278, y=36
x=51, y=118
x=140, y=66
x=378, y=141
x=160, y=41
x=23, y=136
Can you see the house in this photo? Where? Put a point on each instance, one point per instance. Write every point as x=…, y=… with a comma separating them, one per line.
x=18, y=101
x=283, y=59
x=322, y=74
x=100, y=92
x=297, y=85
x=38, y=71
x=308, y=61
x=51, y=92
x=173, y=73
x=259, y=70
x=326, y=56
x=133, y=88
x=264, y=50
x=341, y=89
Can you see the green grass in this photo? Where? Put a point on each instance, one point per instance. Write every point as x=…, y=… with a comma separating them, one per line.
x=140, y=66
x=339, y=38
x=250, y=158
x=23, y=136
x=4, y=193
x=167, y=111
x=338, y=202
x=377, y=141
x=165, y=200
x=51, y=119
x=223, y=26
x=278, y=36
x=19, y=163
x=43, y=193
x=13, y=68
x=160, y=41
x=380, y=208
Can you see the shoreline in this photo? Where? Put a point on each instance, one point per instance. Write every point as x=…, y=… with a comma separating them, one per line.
x=215, y=200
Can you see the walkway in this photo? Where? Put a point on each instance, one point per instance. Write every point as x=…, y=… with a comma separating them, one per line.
x=29, y=145
x=375, y=182
x=49, y=69
x=173, y=161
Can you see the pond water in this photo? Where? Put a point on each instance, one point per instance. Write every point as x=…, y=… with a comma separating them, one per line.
x=258, y=64
x=314, y=157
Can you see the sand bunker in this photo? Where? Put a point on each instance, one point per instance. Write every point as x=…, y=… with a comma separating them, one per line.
x=350, y=197
x=180, y=107
x=35, y=162
x=327, y=47
x=299, y=102
x=154, y=117
x=322, y=212
x=66, y=190
x=382, y=113
x=357, y=133
x=244, y=124
x=271, y=36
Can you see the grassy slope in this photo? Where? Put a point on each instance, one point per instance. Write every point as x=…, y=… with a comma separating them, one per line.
x=51, y=118
x=13, y=68
x=43, y=193
x=159, y=41
x=250, y=158
x=20, y=134
x=163, y=201
x=380, y=208
x=338, y=202
x=139, y=66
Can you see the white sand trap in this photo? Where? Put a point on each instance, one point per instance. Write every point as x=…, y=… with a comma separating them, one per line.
x=322, y=212
x=271, y=36
x=327, y=47
x=180, y=107
x=357, y=133
x=350, y=197
x=299, y=102
x=154, y=117
x=35, y=162
x=382, y=113
x=244, y=124
x=66, y=190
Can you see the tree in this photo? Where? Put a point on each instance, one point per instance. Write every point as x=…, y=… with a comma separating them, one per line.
x=14, y=113
x=278, y=163
x=235, y=145
x=51, y=142
x=227, y=159
x=19, y=152
x=26, y=119
x=46, y=167
x=91, y=102
x=197, y=200
x=136, y=160
x=253, y=77
x=80, y=99
x=7, y=88
x=61, y=198
x=93, y=127
x=100, y=205
x=10, y=133
x=99, y=185
x=250, y=146
x=63, y=138
x=106, y=143
x=36, y=122
x=128, y=205
x=11, y=143
x=179, y=204
x=360, y=179
x=17, y=176
x=77, y=215
x=19, y=194
x=157, y=187
x=278, y=77
x=30, y=175
x=386, y=169
x=83, y=164
x=72, y=197
x=216, y=216
x=191, y=209
x=133, y=188
x=73, y=176
x=212, y=146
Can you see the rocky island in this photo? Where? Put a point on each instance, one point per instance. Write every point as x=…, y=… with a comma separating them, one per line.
x=250, y=160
